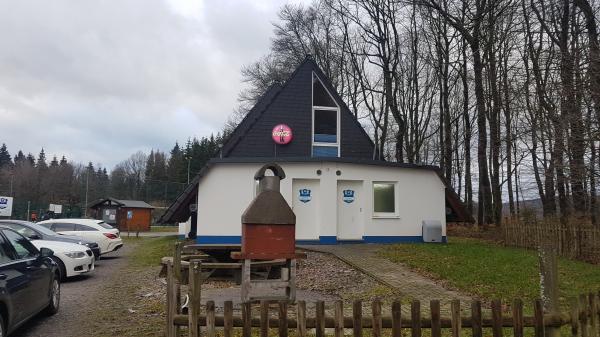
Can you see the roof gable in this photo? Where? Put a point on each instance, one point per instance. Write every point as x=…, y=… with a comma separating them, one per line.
x=291, y=104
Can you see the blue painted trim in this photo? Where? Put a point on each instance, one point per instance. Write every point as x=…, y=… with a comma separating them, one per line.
x=328, y=240
x=323, y=240
x=219, y=239
x=392, y=239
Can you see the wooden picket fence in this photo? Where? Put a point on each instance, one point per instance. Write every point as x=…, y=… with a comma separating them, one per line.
x=576, y=239
x=583, y=317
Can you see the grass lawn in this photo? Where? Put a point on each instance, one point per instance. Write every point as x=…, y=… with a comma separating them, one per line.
x=173, y=229
x=490, y=271
x=150, y=250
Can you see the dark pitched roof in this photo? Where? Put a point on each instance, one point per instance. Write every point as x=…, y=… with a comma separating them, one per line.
x=121, y=203
x=291, y=103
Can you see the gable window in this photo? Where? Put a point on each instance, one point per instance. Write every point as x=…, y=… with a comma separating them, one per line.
x=384, y=199
x=326, y=122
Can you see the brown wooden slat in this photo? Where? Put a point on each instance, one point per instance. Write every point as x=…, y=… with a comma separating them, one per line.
x=396, y=319
x=538, y=311
x=456, y=318
x=357, y=318
x=476, y=325
x=264, y=319
x=517, y=312
x=415, y=314
x=301, y=327
x=210, y=319
x=339, y=318
x=320, y=311
x=228, y=319
x=247, y=319
x=376, y=312
x=283, y=319
x=496, y=318
x=436, y=325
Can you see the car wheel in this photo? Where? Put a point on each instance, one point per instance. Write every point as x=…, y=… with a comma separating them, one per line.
x=62, y=271
x=52, y=307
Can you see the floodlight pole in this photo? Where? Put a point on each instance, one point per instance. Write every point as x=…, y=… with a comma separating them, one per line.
x=189, y=160
x=87, y=182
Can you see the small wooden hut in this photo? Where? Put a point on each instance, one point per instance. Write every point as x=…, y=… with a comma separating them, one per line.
x=127, y=215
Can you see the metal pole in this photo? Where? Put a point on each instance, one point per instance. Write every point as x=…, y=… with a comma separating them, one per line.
x=11, y=184
x=87, y=182
x=28, y=206
x=189, y=162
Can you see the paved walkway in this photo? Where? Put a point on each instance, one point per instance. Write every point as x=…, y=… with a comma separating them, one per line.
x=396, y=276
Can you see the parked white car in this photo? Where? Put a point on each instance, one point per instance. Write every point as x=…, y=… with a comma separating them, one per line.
x=72, y=259
x=106, y=236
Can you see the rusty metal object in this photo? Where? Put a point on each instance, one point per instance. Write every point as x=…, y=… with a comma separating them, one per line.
x=268, y=223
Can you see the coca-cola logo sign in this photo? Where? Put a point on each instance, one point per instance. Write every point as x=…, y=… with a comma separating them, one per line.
x=282, y=134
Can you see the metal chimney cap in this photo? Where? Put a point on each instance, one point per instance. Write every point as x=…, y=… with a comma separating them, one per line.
x=275, y=168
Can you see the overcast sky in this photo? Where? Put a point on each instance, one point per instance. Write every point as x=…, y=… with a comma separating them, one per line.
x=99, y=80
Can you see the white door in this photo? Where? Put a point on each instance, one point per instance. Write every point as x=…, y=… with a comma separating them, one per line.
x=305, y=205
x=350, y=217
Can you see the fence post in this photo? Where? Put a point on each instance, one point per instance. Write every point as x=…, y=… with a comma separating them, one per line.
x=583, y=315
x=247, y=319
x=177, y=260
x=376, y=312
x=302, y=319
x=436, y=324
x=456, y=318
x=339, y=318
x=283, y=319
x=194, y=288
x=415, y=317
x=497, y=318
x=357, y=318
x=593, y=314
x=574, y=315
x=264, y=318
x=210, y=319
x=228, y=319
x=320, y=322
x=170, y=331
x=396, y=319
x=517, y=313
x=476, y=318
x=538, y=314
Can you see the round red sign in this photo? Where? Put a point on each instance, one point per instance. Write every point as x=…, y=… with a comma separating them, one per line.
x=282, y=134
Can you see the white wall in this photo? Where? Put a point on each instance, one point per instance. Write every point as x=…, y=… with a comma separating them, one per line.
x=227, y=188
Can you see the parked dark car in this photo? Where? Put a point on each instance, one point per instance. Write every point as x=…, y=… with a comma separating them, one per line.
x=29, y=281
x=34, y=231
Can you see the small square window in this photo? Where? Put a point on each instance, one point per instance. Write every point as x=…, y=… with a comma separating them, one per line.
x=384, y=198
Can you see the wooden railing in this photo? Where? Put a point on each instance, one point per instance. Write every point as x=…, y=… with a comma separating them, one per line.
x=576, y=239
x=583, y=317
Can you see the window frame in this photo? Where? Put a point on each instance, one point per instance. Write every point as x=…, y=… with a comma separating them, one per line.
x=385, y=215
x=328, y=108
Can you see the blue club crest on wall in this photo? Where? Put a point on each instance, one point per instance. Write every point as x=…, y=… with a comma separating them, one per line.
x=348, y=196
x=3, y=203
x=304, y=195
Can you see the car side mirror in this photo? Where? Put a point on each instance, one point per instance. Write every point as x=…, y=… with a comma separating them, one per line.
x=46, y=252
x=35, y=237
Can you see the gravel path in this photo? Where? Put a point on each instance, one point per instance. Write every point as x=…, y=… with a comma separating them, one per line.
x=408, y=283
x=76, y=294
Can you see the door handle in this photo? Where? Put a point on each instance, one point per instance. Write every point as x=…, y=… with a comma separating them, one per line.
x=3, y=277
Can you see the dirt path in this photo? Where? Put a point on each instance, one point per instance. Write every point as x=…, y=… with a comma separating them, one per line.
x=76, y=295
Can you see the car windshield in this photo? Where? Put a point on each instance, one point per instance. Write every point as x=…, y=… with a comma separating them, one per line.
x=42, y=229
x=105, y=225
